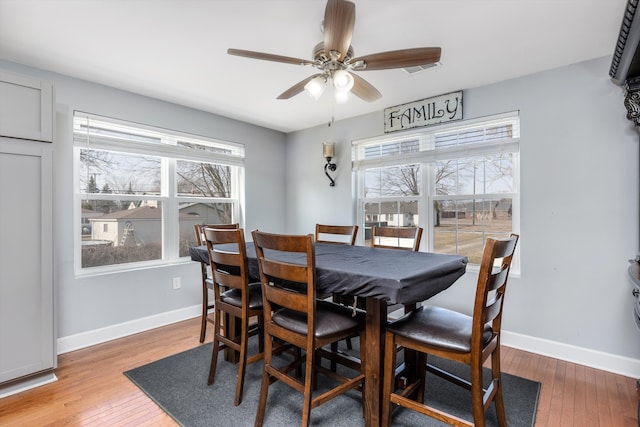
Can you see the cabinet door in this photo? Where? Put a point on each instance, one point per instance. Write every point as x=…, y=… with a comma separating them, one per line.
x=27, y=326
x=26, y=107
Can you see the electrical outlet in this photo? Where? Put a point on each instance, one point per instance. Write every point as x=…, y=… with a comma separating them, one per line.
x=176, y=283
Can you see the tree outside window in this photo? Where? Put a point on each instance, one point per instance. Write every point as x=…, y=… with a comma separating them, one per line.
x=460, y=184
x=129, y=200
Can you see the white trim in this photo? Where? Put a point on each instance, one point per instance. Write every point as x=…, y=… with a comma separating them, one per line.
x=614, y=363
x=27, y=384
x=512, y=146
x=459, y=124
x=159, y=132
x=97, y=336
x=158, y=150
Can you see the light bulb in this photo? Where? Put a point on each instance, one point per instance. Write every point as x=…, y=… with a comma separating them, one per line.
x=342, y=81
x=315, y=87
x=341, y=96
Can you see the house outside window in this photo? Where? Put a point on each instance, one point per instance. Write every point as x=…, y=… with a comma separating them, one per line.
x=139, y=191
x=459, y=181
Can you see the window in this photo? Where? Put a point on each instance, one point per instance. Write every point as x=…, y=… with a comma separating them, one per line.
x=459, y=181
x=139, y=191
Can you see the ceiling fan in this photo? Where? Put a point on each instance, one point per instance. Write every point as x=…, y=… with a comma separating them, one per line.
x=334, y=57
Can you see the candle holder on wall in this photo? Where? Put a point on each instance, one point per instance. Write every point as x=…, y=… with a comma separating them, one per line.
x=329, y=152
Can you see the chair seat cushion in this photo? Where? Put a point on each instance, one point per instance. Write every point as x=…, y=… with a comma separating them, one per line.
x=331, y=319
x=234, y=296
x=438, y=327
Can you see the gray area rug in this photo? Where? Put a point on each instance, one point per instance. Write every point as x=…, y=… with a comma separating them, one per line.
x=178, y=384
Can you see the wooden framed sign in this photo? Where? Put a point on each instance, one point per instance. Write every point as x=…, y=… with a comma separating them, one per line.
x=430, y=111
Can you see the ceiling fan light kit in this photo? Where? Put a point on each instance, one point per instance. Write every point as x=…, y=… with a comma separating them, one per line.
x=334, y=57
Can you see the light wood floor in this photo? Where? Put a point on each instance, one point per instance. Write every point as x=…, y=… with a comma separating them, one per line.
x=92, y=391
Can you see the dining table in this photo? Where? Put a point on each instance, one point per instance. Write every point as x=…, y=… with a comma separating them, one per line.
x=381, y=276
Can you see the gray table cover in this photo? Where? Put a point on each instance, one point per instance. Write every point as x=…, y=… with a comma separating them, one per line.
x=396, y=276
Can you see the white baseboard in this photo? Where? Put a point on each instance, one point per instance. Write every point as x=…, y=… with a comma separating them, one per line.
x=97, y=336
x=27, y=384
x=596, y=359
x=621, y=365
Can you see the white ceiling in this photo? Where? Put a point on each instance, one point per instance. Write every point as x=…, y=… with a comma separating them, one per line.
x=175, y=50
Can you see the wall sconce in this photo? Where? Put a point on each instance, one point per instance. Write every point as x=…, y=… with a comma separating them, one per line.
x=329, y=152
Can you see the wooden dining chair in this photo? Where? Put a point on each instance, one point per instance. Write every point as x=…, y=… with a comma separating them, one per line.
x=294, y=315
x=447, y=334
x=402, y=238
x=207, y=283
x=339, y=234
x=234, y=296
x=406, y=238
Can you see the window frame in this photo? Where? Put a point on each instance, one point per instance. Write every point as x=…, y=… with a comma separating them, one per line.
x=170, y=153
x=426, y=156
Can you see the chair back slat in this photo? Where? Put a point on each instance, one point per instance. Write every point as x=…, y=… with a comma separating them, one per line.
x=497, y=278
x=278, y=242
x=225, y=258
x=284, y=271
x=199, y=230
x=493, y=308
x=505, y=248
x=285, y=297
x=380, y=237
x=338, y=234
x=227, y=280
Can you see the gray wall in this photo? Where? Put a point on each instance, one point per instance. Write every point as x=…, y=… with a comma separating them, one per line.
x=579, y=203
x=90, y=303
x=579, y=219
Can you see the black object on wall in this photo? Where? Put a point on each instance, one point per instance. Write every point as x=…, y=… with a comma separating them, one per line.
x=625, y=65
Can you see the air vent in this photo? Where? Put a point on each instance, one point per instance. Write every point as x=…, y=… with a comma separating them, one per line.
x=418, y=68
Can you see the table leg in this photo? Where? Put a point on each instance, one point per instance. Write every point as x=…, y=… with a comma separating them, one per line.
x=375, y=327
x=407, y=368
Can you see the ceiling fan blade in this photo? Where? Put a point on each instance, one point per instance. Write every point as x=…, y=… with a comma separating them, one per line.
x=296, y=88
x=364, y=90
x=339, y=20
x=269, y=57
x=397, y=59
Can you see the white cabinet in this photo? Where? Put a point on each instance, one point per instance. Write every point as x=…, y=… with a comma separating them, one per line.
x=26, y=107
x=27, y=316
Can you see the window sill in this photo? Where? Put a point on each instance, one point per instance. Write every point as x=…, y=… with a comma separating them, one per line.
x=120, y=269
